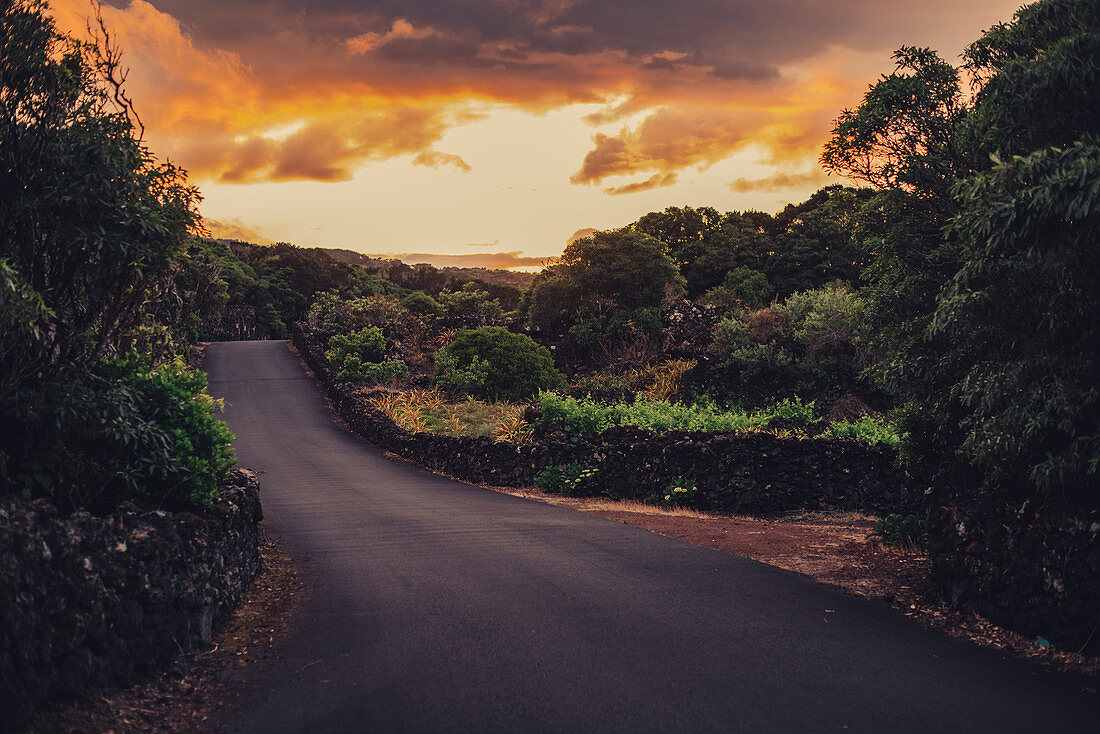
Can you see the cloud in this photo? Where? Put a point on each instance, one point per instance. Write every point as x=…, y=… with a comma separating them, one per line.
x=219, y=83
x=435, y=159
x=494, y=243
x=779, y=182
x=233, y=229
x=324, y=150
x=581, y=234
x=655, y=181
x=497, y=260
x=667, y=140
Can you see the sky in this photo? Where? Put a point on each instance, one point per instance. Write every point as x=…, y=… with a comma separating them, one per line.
x=491, y=131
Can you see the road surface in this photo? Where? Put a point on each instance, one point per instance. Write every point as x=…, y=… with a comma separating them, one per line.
x=435, y=606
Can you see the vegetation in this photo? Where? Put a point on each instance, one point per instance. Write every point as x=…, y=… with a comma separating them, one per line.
x=571, y=479
x=492, y=363
x=360, y=357
x=429, y=411
x=899, y=531
x=95, y=266
x=660, y=416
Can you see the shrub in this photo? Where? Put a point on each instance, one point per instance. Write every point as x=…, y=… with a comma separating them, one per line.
x=470, y=302
x=492, y=363
x=358, y=356
x=587, y=416
x=422, y=304
x=899, y=531
x=334, y=314
x=366, y=345
x=681, y=493
x=868, y=430
x=742, y=287
x=571, y=479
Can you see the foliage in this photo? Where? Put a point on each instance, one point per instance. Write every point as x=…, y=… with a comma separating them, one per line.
x=359, y=356
x=899, y=531
x=471, y=302
x=1016, y=387
x=331, y=313
x=742, y=287
x=587, y=416
x=571, y=479
x=95, y=261
x=981, y=311
x=428, y=411
x=492, y=363
x=868, y=430
x=809, y=340
x=606, y=288
x=681, y=493
x=421, y=304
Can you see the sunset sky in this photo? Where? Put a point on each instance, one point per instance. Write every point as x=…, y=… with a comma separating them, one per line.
x=495, y=129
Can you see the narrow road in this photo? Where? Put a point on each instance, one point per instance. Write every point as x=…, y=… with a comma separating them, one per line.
x=435, y=606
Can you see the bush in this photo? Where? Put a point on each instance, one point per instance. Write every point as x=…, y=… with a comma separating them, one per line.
x=358, y=357
x=681, y=493
x=587, y=416
x=334, y=314
x=899, y=531
x=492, y=363
x=866, y=430
x=742, y=287
x=366, y=345
x=470, y=303
x=125, y=432
x=420, y=303
x=571, y=479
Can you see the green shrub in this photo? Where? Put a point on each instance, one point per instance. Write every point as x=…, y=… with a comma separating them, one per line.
x=571, y=479
x=358, y=357
x=867, y=429
x=899, y=531
x=742, y=287
x=124, y=432
x=367, y=345
x=587, y=416
x=470, y=302
x=492, y=363
x=681, y=493
x=422, y=304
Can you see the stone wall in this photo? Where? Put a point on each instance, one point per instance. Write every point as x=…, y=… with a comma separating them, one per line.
x=1027, y=564
x=89, y=601
x=756, y=474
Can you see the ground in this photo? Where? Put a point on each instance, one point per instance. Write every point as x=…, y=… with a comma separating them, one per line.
x=829, y=547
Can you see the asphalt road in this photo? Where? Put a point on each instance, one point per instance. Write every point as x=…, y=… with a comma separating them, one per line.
x=435, y=606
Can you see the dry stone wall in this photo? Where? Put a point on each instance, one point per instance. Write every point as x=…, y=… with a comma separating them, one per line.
x=89, y=601
x=755, y=474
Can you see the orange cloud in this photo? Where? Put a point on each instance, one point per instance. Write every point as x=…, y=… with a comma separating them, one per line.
x=666, y=141
x=314, y=89
x=435, y=159
x=233, y=229
x=655, y=181
x=779, y=182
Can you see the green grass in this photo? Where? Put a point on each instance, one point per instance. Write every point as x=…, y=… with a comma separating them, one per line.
x=585, y=416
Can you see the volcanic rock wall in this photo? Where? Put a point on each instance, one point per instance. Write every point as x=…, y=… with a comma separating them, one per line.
x=756, y=474
x=90, y=601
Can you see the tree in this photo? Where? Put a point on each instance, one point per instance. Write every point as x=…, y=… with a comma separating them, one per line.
x=492, y=363
x=93, y=233
x=605, y=286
